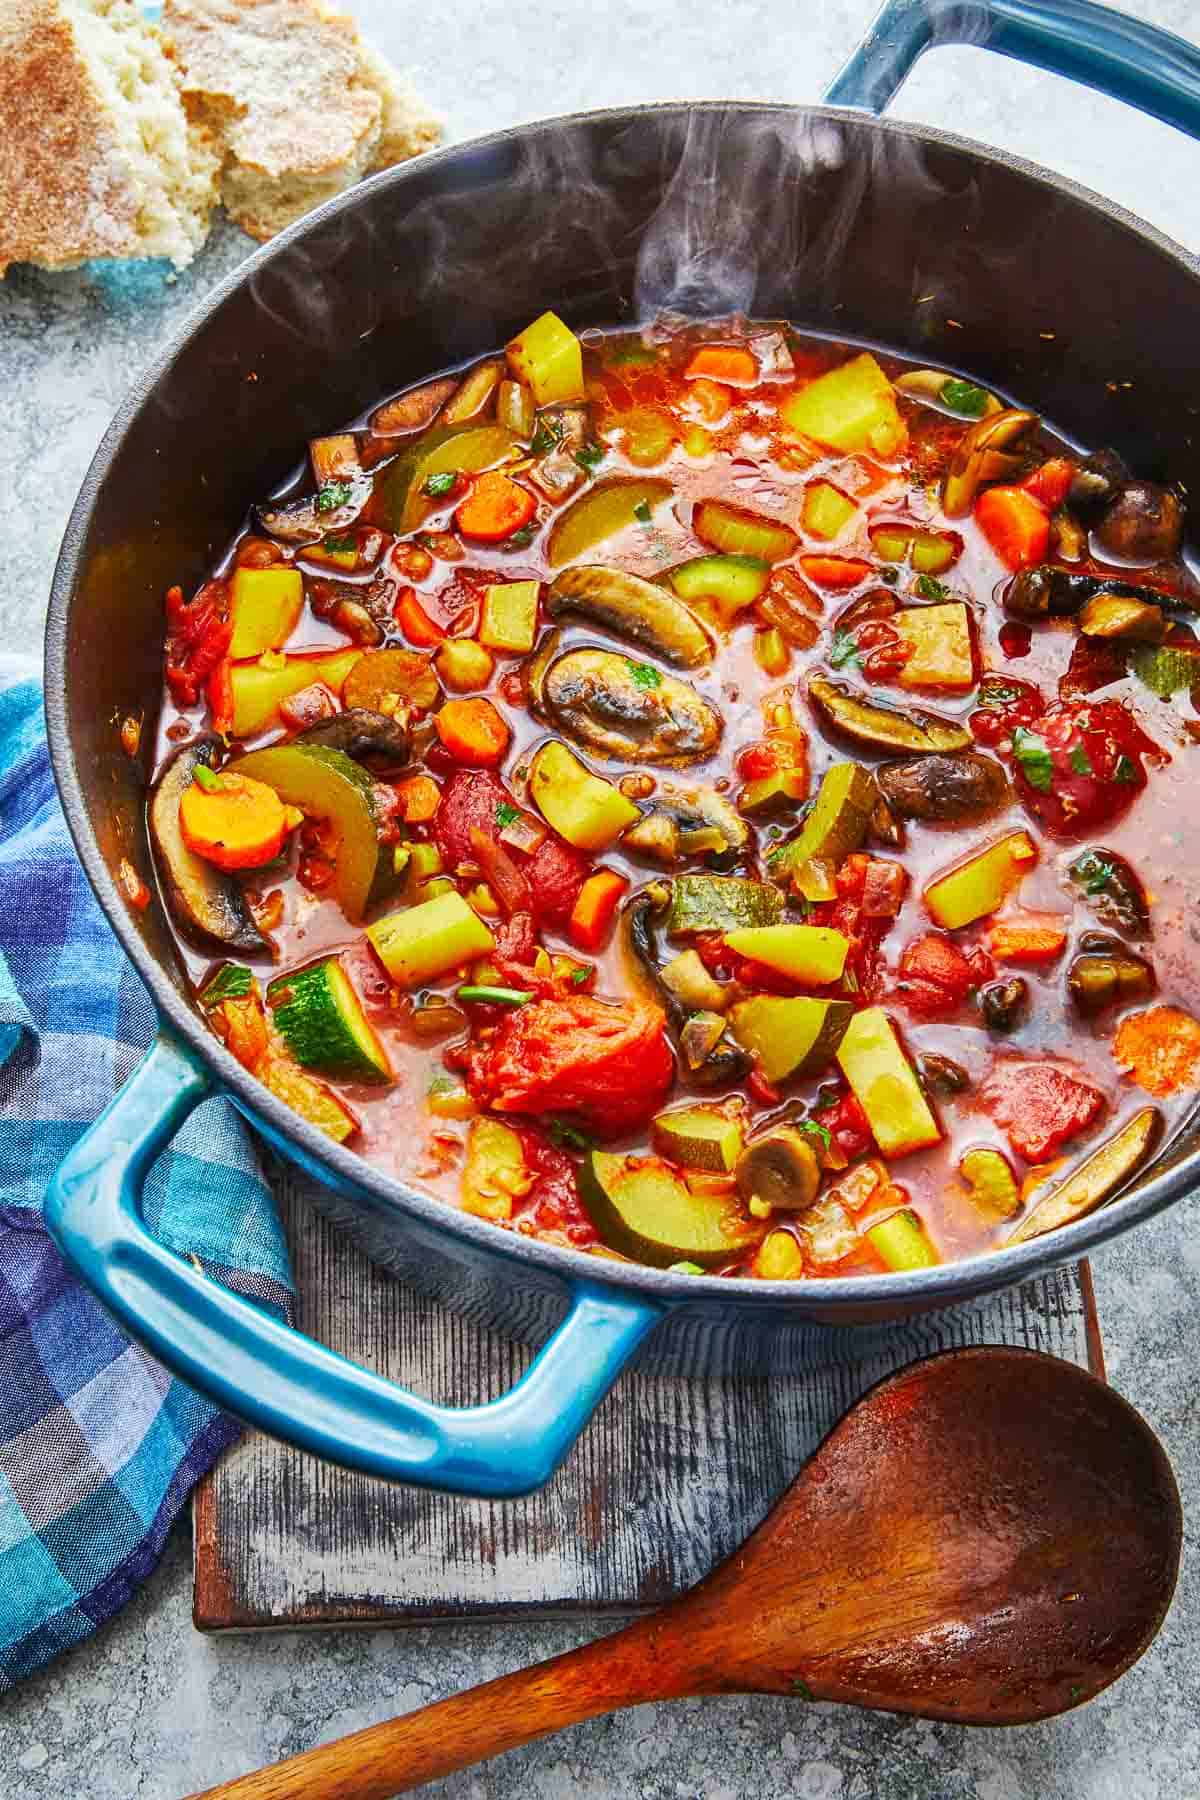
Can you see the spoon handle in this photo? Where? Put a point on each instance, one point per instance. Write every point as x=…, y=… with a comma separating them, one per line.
x=403, y=1753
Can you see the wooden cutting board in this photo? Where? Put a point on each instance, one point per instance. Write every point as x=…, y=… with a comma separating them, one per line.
x=669, y=1478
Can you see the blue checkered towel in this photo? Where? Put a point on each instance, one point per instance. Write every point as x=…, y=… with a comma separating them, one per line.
x=99, y=1446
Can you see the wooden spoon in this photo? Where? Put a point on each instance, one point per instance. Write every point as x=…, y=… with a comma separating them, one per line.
x=990, y=1536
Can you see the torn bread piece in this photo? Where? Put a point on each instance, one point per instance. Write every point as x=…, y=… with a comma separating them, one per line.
x=302, y=106
x=98, y=157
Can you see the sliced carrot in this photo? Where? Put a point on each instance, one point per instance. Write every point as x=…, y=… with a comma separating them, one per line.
x=593, y=911
x=495, y=508
x=219, y=693
x=473, y=732
x=835, y=571
x=1050, y=483
x=1015, y=524
x=1160, y=1048
x=723, y=362
x=1029, y=937
x=243, y=1025
x=234, y=821
x=414, y=621
x=421, y=797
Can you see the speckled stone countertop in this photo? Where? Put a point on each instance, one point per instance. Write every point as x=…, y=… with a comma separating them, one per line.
x=150, y=1709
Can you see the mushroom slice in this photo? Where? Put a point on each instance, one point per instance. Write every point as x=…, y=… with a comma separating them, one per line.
x=958, y=788
x=778, y=1173
x=1101, y=1175
x=206, y=903
x=361, y=732
x=414, y=410
x=972, y=461
x=882, y=728
x=695, y=808
x=629, y=709
x=633, y=608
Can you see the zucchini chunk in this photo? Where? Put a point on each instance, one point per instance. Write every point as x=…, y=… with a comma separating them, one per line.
x=606, y=509
x=205, y=902
x=837, y=823
x=329, y=785
x=978, y=886
x=428, y=939
x=808, y=954
x=321, y=1019
x=587, y=810
x=698, y=1137
x=641, y=1207
x=790, y=1036
x=446, y=449
x=702, y=903
x=885, y=1085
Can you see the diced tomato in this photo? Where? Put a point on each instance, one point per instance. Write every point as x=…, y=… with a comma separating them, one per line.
x=199, y=633
x=556, y=872
x=1079, y=766
x=515, y=939
x=1005, y=701
x=553, y=1203
x=762, y=1091
x=1049, y=484
x=935, y=976
x=1040, y=1105
x=846, y=1123
x=715, y=954
x=218, y=691
x=723, y=362
x=851, y=878
x=469, y=799
x=883, y=890
x=608, y=1066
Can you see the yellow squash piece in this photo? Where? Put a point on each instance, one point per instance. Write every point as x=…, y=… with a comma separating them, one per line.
x=494, y=1174
x=314, y=1102
x=588, y=811
x=884, y=1084
x=258, y=687
x=851, y=408
x=606, y=508
x=940, y=640
x=804, y=953
x=790, y=1036
x=901, y=1241
x=509, y=617
x=978, y=886
x=778, y=1258
x=426, y=940
x=548, y=357
x=826, y=511
x=265, y=607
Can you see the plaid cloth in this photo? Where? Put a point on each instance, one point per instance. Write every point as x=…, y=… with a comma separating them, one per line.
x=99, y=1445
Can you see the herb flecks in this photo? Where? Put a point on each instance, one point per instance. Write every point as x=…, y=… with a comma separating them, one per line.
x=641, y=512
x=964, y=397
x=929, y=588
x=567, y=1137
x=507, y=814
x=438, y=485
x=1033, y=754
x=1081, y=762
x=645, y=675
x=844, y=652
x=815, y=1130
x=589, y=456
x=333, y=495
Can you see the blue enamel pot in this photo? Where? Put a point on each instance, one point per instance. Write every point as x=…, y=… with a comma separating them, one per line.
x=826, y=215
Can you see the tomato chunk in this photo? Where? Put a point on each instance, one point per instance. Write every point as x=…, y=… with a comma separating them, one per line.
x=556, y=872
x=1040, y=1105
x=609, y=1067
x=1080, y=764
x=470, y=800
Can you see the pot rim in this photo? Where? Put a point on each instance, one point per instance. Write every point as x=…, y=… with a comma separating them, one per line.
x=927, y=1289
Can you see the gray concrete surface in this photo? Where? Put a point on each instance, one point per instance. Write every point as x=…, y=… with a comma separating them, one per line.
x=149, y=1709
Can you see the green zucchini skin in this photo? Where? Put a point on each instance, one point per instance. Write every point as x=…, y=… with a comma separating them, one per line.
x=701, y=903
x=320, y=1018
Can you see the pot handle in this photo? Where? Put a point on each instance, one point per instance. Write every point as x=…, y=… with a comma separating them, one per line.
x=1152, y=69
x=249, y=1362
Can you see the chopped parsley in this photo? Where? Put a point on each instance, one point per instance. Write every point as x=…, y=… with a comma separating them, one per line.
x=1081, y=762
x=1126, y=770
x=543, y=439
x=642, y=511
x=821, y=1131
x=993, y=691
x=1093, y=871
x=507, y=814
x=844, y=651
x=684, y=1268
x=588, y=456
x=581, y=974
x=645, y=675
x=333, y=495
x=442, y=1084
x=517, y=540
x=566, y=1137
x=1033, y=754
x=801, y=1689
x=340, y=546
x=436, y=486
x=964, y=397
x=929, y=589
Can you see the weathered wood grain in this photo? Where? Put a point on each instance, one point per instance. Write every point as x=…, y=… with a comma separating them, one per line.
x=670, y=1477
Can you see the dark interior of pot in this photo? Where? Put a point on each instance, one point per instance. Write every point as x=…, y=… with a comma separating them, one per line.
x=839, y=223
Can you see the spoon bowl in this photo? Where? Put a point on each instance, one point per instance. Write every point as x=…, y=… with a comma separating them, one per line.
x=990, y=1536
